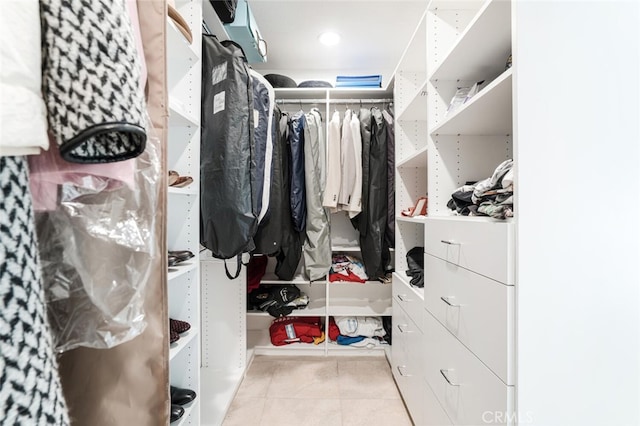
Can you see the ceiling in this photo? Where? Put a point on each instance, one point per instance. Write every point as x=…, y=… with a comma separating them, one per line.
x=374, y=34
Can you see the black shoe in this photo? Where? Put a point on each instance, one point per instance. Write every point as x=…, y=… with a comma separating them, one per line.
x=176, y=412
x=180, y=396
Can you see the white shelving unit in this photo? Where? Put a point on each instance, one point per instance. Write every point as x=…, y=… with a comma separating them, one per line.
x=466, y=308
x=183, y=156
x=327, y=299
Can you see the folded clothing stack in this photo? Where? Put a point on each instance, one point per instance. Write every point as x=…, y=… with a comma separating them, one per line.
x=357, y=331
x=359, y=81
x=347, y=268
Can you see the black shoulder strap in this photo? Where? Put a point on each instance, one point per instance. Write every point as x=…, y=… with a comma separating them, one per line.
x=238, y=269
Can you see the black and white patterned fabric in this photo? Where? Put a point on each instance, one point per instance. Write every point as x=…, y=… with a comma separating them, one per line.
x=91, y=80
x=30, y=389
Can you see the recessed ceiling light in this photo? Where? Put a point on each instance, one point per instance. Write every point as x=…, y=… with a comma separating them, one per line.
x=329, y=38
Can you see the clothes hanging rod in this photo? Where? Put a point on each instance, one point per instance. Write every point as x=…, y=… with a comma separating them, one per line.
x=334, y=101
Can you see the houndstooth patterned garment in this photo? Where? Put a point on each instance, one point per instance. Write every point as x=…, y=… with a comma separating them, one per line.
x=30, y=389
x=91, y=80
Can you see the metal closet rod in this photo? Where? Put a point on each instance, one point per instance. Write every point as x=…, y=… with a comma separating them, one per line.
x=334, y=101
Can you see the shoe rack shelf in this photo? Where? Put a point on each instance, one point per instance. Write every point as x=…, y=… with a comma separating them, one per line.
x=183, y=156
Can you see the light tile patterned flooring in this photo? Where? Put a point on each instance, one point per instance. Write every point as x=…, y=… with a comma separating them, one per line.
x=309, y=391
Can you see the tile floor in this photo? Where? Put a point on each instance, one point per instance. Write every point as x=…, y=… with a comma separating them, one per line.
x=309, y=391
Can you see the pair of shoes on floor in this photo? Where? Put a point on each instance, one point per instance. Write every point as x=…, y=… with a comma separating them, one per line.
x=175, y=257
x=176, y=328
x=177, y=181
x=179, y=397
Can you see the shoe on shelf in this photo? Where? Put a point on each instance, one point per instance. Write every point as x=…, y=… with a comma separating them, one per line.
x=173, y=337
x=178, y=326
x=173, y=177
x=181, y=255
x=182, y=181
x=181, y=396
x=176, y=412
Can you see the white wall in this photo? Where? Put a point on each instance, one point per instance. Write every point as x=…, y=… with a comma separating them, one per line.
x=578, y=165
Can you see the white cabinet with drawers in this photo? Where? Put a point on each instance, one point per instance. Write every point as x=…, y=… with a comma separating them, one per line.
x=465, y=314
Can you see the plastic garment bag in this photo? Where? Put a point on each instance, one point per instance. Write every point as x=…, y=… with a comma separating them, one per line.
x=96, y=245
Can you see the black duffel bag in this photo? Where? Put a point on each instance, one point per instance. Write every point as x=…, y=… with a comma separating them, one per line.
x=225, y=9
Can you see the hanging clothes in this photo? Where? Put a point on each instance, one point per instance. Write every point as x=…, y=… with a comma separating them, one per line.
x=229, y=216
x=334, y=165
x=263, y=103
x=350, y=196
x=390, y=232
x=373, y=220
x=365, y=134
x=290, y=252
x=296, y=153
x=30, y=387
x=317, y=245
x=91, y=80
x=268, y=237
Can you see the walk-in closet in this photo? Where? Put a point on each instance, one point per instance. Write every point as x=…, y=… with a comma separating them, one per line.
x=320, y=212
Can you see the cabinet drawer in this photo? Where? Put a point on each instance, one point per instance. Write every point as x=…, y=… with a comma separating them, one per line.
x=432, y=414
x=407, y=356
x=466, y=389
x=482, y=246
x=477, y=310
x=408, y=298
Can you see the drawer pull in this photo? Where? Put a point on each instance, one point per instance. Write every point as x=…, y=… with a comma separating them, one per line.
x=403, y=374
x=447, y=379
x=450, y=242
x=401, y=297
x=446, y=300
x=403, y=330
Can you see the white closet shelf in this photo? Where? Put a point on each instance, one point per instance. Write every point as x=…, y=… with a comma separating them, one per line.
x=183, y=342
x=345, y=248
x=182, y=268
x=483, y=47
x=415, y=219
x=189, y=190
x=179, y=117
x=260, y=341
x=376, y=350
x=416, y=160
x=487, y=113
x=454, y=4
x=295, y=93
x=479, y=219
x=356, y=307
x=178, y=45
x=414, y=57
x=416, y=109
x=272, y=278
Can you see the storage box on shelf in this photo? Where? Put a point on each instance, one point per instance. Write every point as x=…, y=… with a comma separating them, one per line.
x=183, y=156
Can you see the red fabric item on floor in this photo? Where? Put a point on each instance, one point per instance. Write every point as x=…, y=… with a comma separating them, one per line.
x=287, y=330
x=255, y=271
